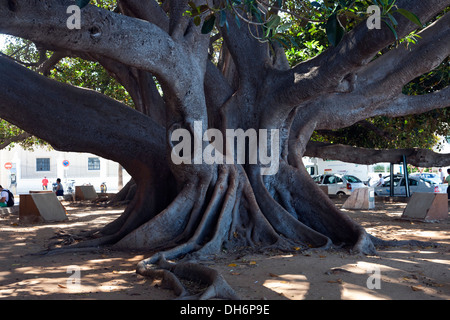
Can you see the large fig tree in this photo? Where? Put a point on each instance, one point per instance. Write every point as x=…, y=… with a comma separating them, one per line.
x=195, y=82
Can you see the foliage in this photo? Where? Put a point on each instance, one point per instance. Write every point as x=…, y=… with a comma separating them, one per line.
x=338, y=16
x=91, y=75
x=271, y=18
x=10, y=134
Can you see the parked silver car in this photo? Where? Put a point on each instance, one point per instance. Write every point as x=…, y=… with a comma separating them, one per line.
x=416, y=184
x=430, y=177
x=339, y=184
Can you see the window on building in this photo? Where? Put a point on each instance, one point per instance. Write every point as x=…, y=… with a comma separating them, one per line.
x=93, y=164
x=42, y=164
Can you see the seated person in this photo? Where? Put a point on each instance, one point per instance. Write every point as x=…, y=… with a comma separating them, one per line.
x=4, y=197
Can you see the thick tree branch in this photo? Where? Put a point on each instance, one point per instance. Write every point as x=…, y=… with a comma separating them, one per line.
x=249, y=54
x=4, y=142
x=378, y=88
x=394, y=69
x=405, y=105
x=332, y=71
x=148, y=10
x=141, y=87
x=49, y=110
x=103, y=33
x=414, y=156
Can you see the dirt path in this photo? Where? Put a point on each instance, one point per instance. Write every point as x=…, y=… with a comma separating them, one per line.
x=407, y=273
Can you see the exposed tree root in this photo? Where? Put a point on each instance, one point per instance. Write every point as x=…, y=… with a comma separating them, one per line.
x=315, y=209
x=380, y=243
x=229, y=211
x=213, y=285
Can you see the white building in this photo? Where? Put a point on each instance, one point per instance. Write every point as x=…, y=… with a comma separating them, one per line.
x=22, y=170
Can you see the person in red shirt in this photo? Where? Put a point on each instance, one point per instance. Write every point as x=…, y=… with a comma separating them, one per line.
x=44, y=183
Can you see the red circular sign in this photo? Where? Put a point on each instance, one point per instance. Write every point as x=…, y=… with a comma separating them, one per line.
x=8, y=165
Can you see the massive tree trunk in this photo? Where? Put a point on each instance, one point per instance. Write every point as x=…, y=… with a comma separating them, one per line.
x=196, y=209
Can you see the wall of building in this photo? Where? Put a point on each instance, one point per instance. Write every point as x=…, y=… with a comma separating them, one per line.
x=83, y=168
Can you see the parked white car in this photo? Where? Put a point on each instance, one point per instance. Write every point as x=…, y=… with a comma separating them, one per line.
x=416, y=184
x=339, y=184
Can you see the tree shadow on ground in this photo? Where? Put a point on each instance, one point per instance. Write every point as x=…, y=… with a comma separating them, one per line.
x=410, y=273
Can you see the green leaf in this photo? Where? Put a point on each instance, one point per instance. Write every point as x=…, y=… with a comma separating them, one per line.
x=208, y=25
x=283, y=40
x=223, y=18
x=392, y=29
x=334, y=30
x=238, y=21
x=410, y=16
x=82, y=3
x=391, y=17
x=197, y=20
x=273, y=22
x=284, y=27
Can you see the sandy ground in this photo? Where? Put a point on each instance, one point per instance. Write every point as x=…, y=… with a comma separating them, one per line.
x=406, y=273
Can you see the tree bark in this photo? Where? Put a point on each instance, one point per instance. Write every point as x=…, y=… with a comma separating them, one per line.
x=196, y=211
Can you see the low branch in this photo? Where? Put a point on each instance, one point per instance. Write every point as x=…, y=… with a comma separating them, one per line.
x=405, y=105
x=4, y=142
x=414, y=156
x=336, y=111
x=131, y=41
x=35, y=104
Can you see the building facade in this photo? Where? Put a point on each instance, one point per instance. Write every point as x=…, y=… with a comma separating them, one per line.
x=22, y=170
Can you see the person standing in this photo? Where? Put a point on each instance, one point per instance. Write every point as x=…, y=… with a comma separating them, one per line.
x=59, y=188
x=447, y=180
x=380, y=181
x=441, y=175
x=44, y=183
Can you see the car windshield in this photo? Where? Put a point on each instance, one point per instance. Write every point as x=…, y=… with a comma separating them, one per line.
x=352, y=179
x=329, y=180
x=412, y=182
x=387, y=182
x=317, y=179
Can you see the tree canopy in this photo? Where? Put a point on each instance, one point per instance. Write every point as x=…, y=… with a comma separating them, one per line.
x=305, y=29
